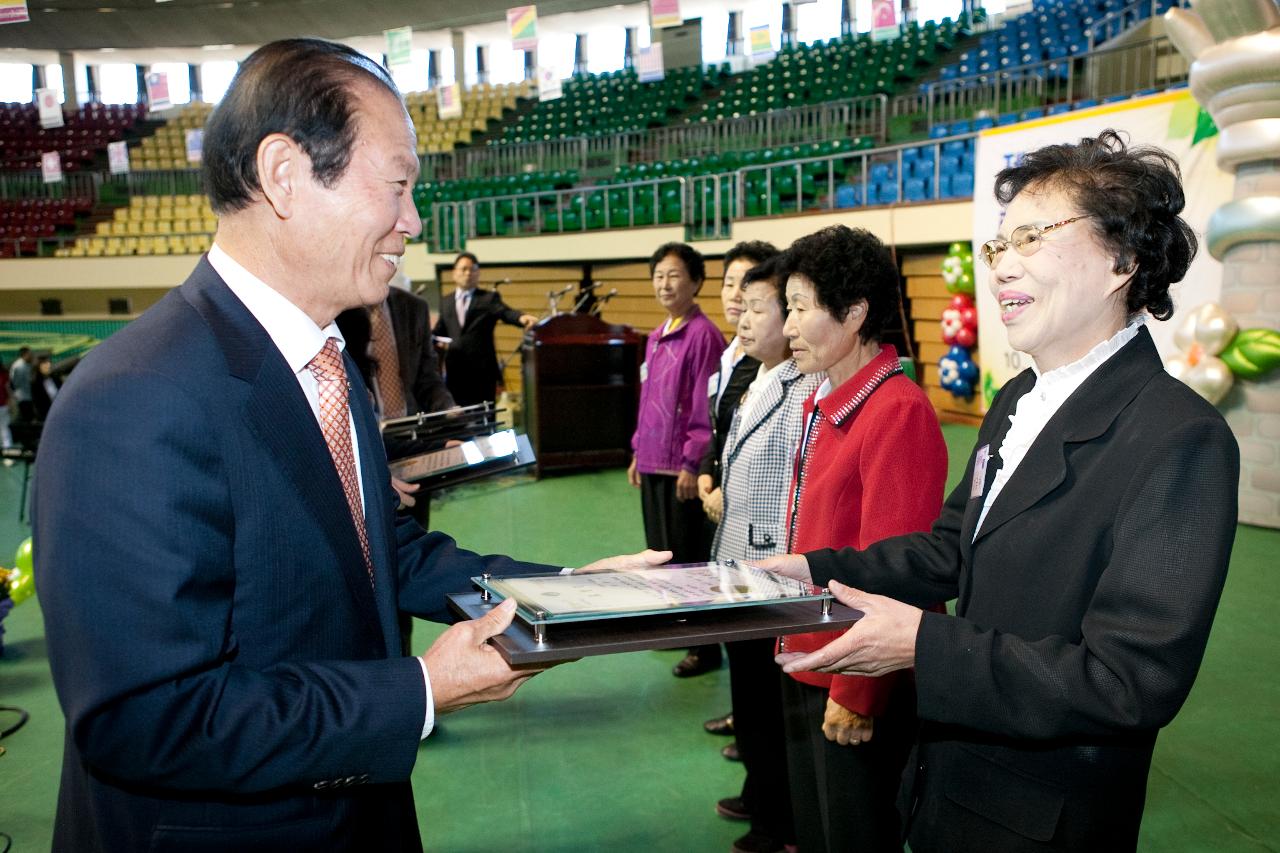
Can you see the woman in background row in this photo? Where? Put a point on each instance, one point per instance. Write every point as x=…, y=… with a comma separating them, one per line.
x=1087, y=543
x=872, y=464
x=759, y=450
x=673, y=428
x=723, y=391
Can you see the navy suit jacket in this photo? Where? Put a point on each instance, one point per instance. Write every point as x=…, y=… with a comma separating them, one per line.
x=229, y=676
x=471, y=362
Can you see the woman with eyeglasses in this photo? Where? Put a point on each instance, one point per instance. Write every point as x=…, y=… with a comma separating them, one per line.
x=1086, y=546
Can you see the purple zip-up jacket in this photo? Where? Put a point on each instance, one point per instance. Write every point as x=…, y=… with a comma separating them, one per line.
x=673, y=427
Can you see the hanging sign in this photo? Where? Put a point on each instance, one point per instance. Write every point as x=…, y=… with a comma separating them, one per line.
x=665, y=13
x=550, y=87
x=51, y=167
x=158, y=91
x=649, y=66
x=399, y=46
x=195, y=145
x=884, y=20
x=50, y=109
x=761, y=42
x=523, y=21
x=118, y=157
x=13, y=13
x=449, y=100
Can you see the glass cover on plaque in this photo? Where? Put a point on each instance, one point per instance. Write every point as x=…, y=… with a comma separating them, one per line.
x=548, y=598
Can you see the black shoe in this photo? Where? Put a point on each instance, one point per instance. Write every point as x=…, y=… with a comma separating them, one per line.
x=758, y=842
x=731, y=752
x=696, y=662
x=733, y=808
x=720, y=725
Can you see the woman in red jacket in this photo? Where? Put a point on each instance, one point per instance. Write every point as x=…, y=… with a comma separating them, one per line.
x=871, y=464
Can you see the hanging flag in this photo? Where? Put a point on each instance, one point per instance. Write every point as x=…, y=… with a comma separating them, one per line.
x=761, y=42
x=449, y=100
x=12, y=12
x=51, y=167
x=884, y=20
x=550, y=87
x=50, y=109
x=523, y=21
x=665, y=13
x=649, y=66
x=399, y=46
x=158, y=91
x=195, y=145
x=118, y=157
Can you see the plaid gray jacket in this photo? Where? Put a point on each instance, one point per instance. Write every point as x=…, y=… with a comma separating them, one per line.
x=756, y=468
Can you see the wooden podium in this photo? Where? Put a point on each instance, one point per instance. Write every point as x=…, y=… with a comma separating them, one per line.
x=581, y=391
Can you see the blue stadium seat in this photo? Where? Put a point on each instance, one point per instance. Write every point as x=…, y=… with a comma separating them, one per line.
x=938, y=131
x=886, y=192
x=849, y=195
x=916, y=189
x=983, y=123
x=962, y=184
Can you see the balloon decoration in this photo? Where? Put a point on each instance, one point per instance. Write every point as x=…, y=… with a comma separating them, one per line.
x=957, y=269
x=1214, y=352
x=19, y=582
x=960, y=322
x=957, y=369
x=957, y=372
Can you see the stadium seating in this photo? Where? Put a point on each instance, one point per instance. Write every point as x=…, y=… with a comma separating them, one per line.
x=150, y=225
x=80, y=141
x=482, y=106
x=167, y=147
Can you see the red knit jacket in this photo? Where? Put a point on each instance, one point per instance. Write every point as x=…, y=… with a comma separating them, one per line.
x=875, y=466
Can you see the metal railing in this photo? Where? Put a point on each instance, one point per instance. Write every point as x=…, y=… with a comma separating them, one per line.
x=1121, y=21
x=1101, y=74
x=713, y=205
x=817, y=180
x=30, y=184
x=865, y=116
x=529, y=214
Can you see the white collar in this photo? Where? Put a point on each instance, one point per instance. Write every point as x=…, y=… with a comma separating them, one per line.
x=294, y=333
x=1091, y=360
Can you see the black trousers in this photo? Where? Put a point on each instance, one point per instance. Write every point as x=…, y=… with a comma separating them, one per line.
x=755, y=684
x=671, y=525
x=845, y=797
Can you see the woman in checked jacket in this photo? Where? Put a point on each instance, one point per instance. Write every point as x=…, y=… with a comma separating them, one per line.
x=755, y=466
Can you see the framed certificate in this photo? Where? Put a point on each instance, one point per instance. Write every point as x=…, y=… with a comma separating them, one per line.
x=566, y=616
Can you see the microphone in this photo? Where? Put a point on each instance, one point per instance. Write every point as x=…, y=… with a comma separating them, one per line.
x=501, y=282
x=556, y=294
x=592, y=286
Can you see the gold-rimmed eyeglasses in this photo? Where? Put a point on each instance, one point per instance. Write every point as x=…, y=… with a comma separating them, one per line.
x=1025, y=239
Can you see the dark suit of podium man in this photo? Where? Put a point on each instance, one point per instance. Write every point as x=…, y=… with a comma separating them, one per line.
x=217, y=550
x=468, y=317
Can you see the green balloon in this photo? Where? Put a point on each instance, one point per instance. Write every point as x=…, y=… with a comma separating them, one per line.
x=22, y=587
x=956, y=249
x=23, y=559
x=964, y=284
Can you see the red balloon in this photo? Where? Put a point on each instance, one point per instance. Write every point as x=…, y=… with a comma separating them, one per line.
x=966, y=338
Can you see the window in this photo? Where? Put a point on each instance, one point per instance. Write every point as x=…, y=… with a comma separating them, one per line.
x=215, y=78
x=15, y=82
x=118, y=83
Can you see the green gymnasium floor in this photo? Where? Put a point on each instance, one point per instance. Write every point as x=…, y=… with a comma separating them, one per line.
x=609, y=754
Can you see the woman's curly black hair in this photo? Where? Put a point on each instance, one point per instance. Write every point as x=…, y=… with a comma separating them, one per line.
x=689, y=256
x=1132, y=197
x=847, y=266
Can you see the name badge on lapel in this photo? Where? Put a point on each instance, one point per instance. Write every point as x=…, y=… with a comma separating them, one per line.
x=980, y=471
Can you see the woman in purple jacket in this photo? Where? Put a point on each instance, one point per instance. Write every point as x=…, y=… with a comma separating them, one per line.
x=673, y=427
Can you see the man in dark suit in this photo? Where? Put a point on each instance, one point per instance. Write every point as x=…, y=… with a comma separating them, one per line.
x=467, y=318
x=218, y=555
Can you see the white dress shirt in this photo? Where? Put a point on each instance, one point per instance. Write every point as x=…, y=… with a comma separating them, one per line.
x=754, y=396
x=299, y=340
x=719, y=380
x=1042, y=402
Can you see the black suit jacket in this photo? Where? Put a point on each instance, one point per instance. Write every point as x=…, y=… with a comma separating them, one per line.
x=229, y=675
x=423, y=387
x=1083, y=608
x=471, y=363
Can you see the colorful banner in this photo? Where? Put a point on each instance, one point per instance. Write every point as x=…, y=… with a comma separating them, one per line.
x=449, y=100
x=884, y=20
x=118, y=157
x=13, y=13
x=761, y=42
x=550, y=87
x=158, y=91
x=1167, y=120
x=399, y=46
x=195, y=145
x=50, y=109
x=51, y=167
x=649, y=67
x=665, y=13
x=523, y=22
